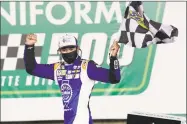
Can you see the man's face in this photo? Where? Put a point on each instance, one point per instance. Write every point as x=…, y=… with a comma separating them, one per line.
x=67, y=49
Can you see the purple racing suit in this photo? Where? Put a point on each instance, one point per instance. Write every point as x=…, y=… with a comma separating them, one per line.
x=76, y=82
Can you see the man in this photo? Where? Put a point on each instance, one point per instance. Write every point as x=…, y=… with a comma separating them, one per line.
x=74, y=75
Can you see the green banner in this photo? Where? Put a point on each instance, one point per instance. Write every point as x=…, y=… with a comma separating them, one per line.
x=94, y=23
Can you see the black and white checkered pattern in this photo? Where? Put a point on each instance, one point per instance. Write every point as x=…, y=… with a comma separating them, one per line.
x=12, y=50
x=135, y=35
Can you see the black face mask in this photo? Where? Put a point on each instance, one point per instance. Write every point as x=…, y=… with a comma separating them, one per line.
x=69, y=57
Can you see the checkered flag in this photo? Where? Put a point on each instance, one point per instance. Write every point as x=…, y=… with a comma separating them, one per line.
x=139, y=31
x=12, y=50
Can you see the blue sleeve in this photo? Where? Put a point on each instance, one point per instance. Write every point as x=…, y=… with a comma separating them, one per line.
x=95, y=72
x=35, y=69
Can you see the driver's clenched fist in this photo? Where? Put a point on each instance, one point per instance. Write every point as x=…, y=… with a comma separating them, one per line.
x=31, y=39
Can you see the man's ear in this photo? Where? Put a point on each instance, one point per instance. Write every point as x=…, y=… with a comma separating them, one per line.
x=58, y=51
x=78, y=48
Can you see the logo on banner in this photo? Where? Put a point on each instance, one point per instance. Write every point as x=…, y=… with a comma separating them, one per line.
x=135, y=64
x=12, y=51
